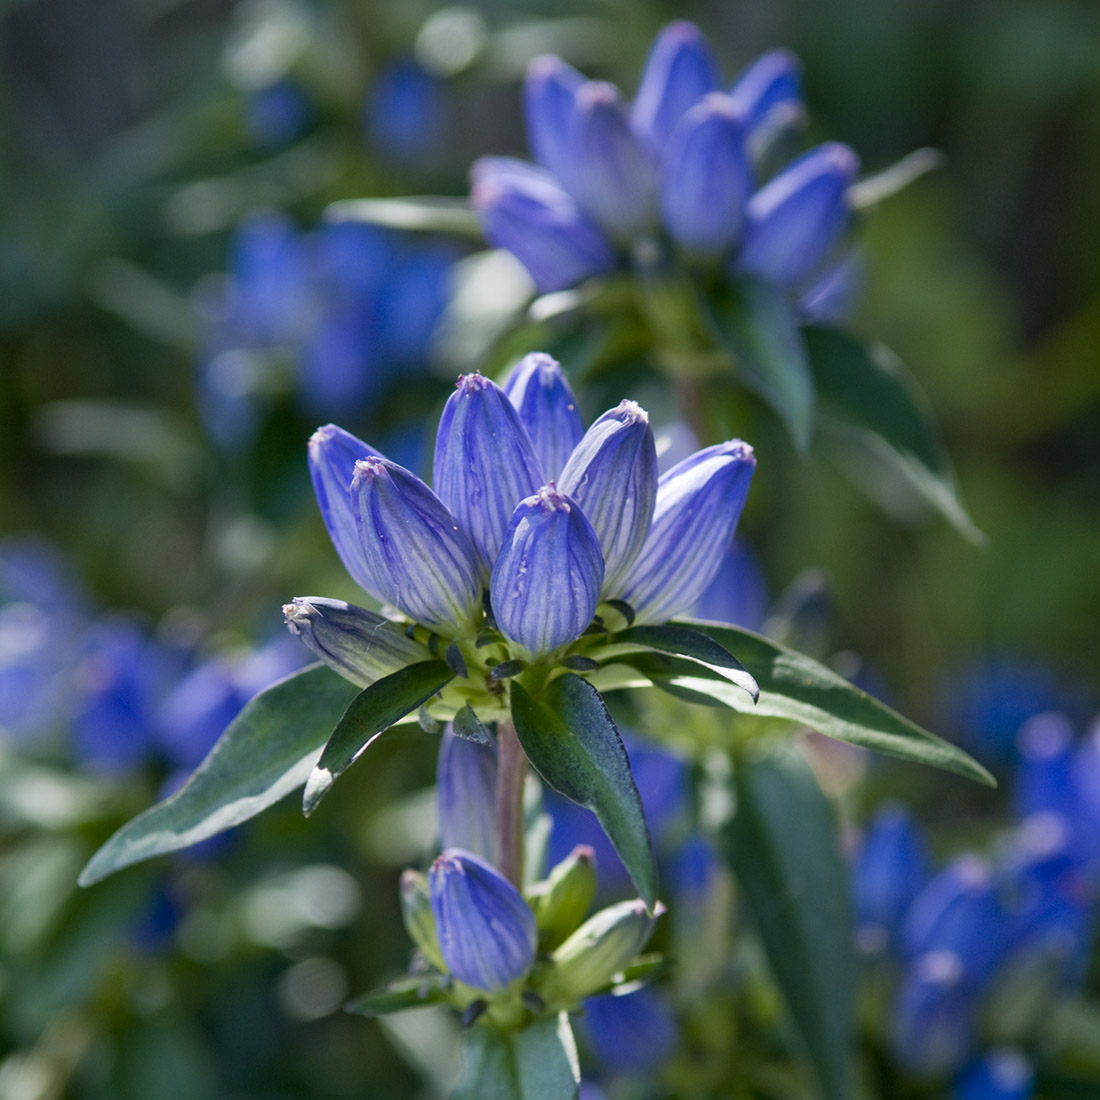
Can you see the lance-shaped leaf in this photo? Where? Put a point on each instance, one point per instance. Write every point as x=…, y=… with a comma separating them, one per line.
x=783, y=846
x=373, y=710
x=414, y=991
x=756, y=323
x=794, y=687
x=683, y=641
x=877, y=415
x=537, y=1063
x=573, y=744
x=265, y=753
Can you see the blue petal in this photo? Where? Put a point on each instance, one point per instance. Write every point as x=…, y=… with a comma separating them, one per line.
x=679, y=71
x=796, y=218
x=605, y=167
x=546, y=406
x=539, y=223
x=1003, y=1074
x=699, y=503
x=484, y=463
x=333, y=454
x=546, y=583
x=418, y=557
x=774, y=78
x=706, y=178
x=549, y=95
x=486, y=931
x=612, y=475
x=933, y=1024
x=466, y=781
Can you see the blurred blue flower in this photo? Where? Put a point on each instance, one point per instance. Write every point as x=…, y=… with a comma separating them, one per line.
x=1003, y=1074
x=631, y=1033
x=934, y=1020
x=405, y=114
x=277, y=114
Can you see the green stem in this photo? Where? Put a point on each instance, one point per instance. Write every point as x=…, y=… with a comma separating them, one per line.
x=511, y=771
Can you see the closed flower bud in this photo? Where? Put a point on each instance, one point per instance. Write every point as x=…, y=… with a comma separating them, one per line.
x=699, y=503
x=932, y=1030
x=547, y=408
x=773, y=79
x=890, y=870
x=358, y=644
x=706, y=178
x=562, y=901
x=549, y=95
x=486, y=931
x=606, y=169
x=530, y=215
x=333, y=454
x=416, y=911
x=484, y=465
x=795, y=219
x=1003, y=1074
x=612, y=475
x=546, y=582
x=679, y=71
x=419, y=559
x=606, y=943
x=466, y=782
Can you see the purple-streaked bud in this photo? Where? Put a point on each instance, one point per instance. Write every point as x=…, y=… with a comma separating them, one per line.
x=419, y=558
x=889, y=872
x=484, y=463
x=528, y=214
x=958, y=911
x=1003, y=1074
x=333, y=454
x=1044, y=776
x=606, y=168
x=358, y=644
x=679, y=71
x=699, y=503
x=612, y=475
x=547, y=408
x=549, y=95
x=772, y=79
x=795, y=219
x=706, y=178
x=933, y=1025
x=466, y=783
x=546, y=582
x=486, y=931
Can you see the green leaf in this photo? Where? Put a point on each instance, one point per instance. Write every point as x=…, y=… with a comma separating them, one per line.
x=794, y=687
x=874, y=413
x=374, y=709
x=896, y=177
x=425, y=213
x=685, y=641
x=397, y=996
x=783, y=846
x=266, y=752
x=756, y=323
x=538, y=1063
x=573, y=744
x=467, y=724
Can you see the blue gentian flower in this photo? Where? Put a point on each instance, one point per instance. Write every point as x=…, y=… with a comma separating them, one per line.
x=933, y=1024
x=277, y=114
x=1003, y=1074
x=547, y=408
x=466, y=781
x=632, y=1033
x=739, y=593
x=405, y=113
x=486, y=931
x=682, y=161
x=1044, y=775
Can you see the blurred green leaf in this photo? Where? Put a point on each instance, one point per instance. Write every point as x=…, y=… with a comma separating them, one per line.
x=427, y=213
x=755, y=322
x=267, y=751
x=797, y=688
x=397, y=996
x=573, y=744
x=377, y=707
x=538, y=1063
x=866, y=393
x=872, y=190
x=782, y=843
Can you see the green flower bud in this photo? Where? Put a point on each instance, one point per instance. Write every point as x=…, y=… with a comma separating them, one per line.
x=562, y=900
x=602, y=946
x=416, y=909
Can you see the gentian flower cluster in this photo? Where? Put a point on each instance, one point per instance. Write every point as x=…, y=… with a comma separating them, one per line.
x=977, y=955
x=532, y=525
x=350, y=306
x=682, y=167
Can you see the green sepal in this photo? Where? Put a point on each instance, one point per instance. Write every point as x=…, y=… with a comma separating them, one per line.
x=413, y=991
x=374, y=709
x=573, y=744
x=466, y=724
x=266, y=752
